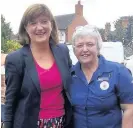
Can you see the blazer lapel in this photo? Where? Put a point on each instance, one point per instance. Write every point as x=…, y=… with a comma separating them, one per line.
x=30, y=67
x=59, y=61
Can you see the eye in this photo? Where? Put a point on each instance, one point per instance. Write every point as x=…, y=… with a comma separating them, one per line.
x=80, y=46
x=44, y=21
x=90, y=45
x=32, y=23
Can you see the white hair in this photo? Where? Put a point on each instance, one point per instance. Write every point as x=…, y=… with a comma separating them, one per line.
x=87, y=30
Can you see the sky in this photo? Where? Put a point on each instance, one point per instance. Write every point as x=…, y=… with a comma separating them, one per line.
x=96, y=12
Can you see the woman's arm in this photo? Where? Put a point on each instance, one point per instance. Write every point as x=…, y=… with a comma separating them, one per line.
x=13, y=84
x=127, y=120
x=125, y=94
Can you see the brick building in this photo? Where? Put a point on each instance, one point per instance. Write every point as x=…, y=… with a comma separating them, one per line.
x=67, y=23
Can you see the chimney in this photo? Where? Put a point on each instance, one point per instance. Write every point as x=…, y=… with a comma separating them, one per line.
x=125, y=23
x=79, y=9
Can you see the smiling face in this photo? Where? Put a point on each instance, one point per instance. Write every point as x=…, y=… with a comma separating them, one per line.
x=39, y=29
x=85, y=49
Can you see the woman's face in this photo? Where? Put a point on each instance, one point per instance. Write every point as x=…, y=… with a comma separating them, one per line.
x=39, y=29
x=86, y=50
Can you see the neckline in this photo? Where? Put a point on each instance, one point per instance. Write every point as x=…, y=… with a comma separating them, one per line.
x=46, y=69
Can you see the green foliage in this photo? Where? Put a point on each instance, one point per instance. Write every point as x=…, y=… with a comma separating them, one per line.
x=6, y=33
x=12, y=45
x=119, y=30
x=124, y=34
x=102, y=33
x=111, y=35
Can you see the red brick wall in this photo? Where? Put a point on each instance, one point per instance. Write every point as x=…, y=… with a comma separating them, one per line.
x=77, y=21
x=3, y=87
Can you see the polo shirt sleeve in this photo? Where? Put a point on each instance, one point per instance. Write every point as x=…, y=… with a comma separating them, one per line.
x=125, y=86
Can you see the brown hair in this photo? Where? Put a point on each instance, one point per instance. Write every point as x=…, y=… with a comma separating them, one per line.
x=32, y=12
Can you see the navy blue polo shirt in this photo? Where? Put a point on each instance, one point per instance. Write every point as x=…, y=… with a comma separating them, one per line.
x=96, y=104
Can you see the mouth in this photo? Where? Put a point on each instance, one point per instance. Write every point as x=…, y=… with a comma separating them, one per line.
x=40, y=34
x=85, y=55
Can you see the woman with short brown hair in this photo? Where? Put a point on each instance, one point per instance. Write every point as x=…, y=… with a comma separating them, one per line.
x=37, y=75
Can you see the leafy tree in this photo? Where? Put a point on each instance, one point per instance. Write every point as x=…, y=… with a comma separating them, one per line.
x=12, y=45
x=6, y=33
x=124, y=33
x=110, y=37
x=102, y=33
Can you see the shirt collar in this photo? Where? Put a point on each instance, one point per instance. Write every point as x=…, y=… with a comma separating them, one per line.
x=102, y=67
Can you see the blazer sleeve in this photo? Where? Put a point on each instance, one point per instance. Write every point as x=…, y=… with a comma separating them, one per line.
x=69, y=59
x=13, y=86
x=68, y=56
x=66, y=52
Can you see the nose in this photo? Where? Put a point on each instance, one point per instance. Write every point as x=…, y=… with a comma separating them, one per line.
x=85, y=48
x=39, y=26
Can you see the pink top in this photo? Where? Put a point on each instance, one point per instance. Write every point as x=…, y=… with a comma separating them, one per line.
x=52, y=101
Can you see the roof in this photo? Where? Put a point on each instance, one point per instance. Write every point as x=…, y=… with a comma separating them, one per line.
x=64, y=20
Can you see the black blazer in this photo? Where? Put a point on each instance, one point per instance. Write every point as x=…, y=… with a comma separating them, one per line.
x=23, y=88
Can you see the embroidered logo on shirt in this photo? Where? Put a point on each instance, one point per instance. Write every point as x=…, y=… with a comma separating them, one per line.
x=103, y=78
x=104, y=85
